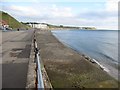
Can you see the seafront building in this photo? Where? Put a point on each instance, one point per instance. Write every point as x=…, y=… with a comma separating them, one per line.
x=3, y=25
x=38, y=25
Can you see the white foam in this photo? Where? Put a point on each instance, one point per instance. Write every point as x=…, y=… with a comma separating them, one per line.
x=101, y=66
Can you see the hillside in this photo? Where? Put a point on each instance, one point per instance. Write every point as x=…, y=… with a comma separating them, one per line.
x=61, y=27
x=12, y=22
x=50, y=26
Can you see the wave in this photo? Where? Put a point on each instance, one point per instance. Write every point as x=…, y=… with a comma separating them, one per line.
x=95, y=61
x=101, y=66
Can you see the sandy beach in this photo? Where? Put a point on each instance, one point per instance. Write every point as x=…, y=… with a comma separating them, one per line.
x=67, y=68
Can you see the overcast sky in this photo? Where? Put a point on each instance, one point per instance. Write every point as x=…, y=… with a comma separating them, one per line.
x=102, y=14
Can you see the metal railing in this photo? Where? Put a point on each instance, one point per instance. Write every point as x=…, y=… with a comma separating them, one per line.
x=40, y=84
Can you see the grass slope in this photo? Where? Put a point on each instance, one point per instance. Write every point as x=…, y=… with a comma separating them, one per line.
x=13, y=23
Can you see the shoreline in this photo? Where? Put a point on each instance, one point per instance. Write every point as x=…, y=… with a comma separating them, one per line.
x=64, y=64
x=92, y=60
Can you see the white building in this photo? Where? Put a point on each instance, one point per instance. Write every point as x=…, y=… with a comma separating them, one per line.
x=38, y=25
x=41, y=26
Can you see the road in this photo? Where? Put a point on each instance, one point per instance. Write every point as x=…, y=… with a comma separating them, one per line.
x=16, y=46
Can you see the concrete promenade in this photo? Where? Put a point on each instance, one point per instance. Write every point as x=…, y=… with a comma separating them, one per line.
x=16, y=46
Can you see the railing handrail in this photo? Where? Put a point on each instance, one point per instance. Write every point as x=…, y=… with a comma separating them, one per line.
x=40, y=84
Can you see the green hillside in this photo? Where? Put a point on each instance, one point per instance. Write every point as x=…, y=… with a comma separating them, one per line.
x=12, y=22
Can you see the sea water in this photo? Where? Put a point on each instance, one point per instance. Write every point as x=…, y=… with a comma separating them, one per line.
x=101, y=45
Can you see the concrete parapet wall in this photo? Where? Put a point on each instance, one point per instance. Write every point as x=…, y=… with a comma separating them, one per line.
x=31, y=76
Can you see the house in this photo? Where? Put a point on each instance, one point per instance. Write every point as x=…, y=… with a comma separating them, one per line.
x=3, y=25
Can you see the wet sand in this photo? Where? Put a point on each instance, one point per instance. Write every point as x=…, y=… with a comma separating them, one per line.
x=67, y=68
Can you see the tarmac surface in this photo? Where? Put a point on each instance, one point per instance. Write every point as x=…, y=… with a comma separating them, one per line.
x=16, y=46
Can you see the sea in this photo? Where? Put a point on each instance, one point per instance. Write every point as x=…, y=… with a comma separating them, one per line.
x=100, y=45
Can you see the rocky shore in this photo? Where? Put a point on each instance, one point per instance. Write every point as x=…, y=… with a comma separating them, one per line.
x=67, y=68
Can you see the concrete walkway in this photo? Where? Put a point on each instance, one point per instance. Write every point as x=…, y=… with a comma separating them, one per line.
x=16, y=46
